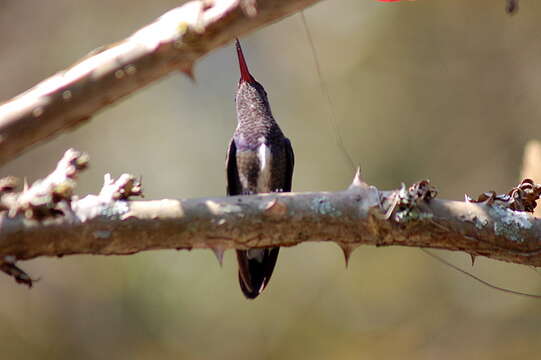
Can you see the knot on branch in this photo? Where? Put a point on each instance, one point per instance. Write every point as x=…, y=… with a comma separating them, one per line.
x=121, y=189
x=522, y=197
x=53, y=196
x=111, y=199
x=8, y=184
x=47, y=197
x=8, y=197
x=403, y=205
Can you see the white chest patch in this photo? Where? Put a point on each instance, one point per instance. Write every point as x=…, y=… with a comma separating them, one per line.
x=265, y=157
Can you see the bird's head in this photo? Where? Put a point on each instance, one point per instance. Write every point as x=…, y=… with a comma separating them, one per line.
x=250, y=94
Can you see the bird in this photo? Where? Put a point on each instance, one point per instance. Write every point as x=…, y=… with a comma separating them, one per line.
x=259, y=159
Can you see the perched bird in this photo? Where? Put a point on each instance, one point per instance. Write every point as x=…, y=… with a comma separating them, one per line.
x=259, y=160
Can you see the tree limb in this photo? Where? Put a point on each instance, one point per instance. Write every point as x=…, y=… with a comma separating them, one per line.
x=173, y=42
x=45, y=220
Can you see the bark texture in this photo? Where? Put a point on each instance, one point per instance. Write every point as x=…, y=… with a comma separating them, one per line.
x=45, y=220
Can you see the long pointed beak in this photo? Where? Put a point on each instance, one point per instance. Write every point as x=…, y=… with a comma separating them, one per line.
x=244, y=72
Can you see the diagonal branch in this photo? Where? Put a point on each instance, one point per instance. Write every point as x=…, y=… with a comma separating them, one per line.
x=173, y=42
x=45, y=220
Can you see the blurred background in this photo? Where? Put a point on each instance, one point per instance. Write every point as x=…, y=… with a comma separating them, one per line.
x=441, y=89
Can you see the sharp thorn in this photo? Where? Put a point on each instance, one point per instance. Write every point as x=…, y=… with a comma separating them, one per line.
x=219, y=253
x=472, y=259
x=188, y=71
x=347, y=249
x=357, y=179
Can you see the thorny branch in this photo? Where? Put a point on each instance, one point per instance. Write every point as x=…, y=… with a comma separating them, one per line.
x=175, y=41
x=45, y=219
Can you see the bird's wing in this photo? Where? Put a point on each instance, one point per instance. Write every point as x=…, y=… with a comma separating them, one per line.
x=233, y=182
x=290, y=163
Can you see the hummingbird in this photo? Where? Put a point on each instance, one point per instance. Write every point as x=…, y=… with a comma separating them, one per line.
x=259, y=160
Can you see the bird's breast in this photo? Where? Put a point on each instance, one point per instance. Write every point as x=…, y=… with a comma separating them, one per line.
x=255, y=166
x=264, y=156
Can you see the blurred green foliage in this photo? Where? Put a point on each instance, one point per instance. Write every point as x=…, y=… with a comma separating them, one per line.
x=439, y=89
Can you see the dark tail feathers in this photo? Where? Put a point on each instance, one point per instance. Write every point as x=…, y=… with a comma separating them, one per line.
x=255, y=269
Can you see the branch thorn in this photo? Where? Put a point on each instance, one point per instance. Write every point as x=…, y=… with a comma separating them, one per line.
x=219, y=253
x=358, y=181
x=472, y=259
x=347, y=249
x=188, y=71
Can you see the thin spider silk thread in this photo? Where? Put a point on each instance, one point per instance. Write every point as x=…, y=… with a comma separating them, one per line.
x=333, y=124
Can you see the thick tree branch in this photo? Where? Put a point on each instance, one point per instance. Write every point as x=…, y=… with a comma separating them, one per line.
x=173, y=42
x=45, y=220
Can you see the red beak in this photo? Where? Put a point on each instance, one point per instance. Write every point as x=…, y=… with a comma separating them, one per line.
x=244, y=72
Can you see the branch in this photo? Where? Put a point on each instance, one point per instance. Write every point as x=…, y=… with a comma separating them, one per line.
x=173, y=42
x=45, y=220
